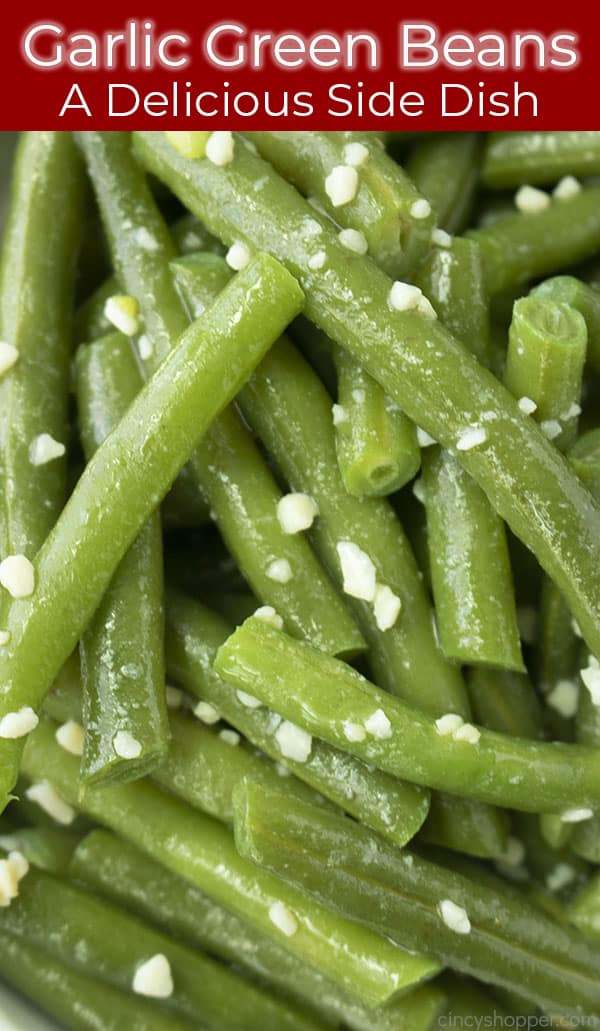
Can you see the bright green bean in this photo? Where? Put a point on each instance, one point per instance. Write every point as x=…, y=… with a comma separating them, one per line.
x=194, y=634
x=506, y=702
x=547, y=344
x=433, y=379
x=116, y=869
x=115, y=496
x=512, y=158
x=382, y=208
x=122, y=660
x=506, y=941
x=323, y=696
x=202, y=851
x=78, y=1001
x=586, y=300
x=445, y=169
x=522, y=247
x=239, y=486
x=102, y=940
x=376, y=444
x=36, y=288
x=584, y=909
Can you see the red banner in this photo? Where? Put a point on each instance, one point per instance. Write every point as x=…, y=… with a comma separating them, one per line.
x=409, y=68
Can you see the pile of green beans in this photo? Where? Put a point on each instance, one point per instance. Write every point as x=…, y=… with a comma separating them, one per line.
x=300, y=580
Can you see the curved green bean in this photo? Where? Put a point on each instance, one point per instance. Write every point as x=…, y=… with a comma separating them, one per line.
x=203, y=852
x=115, y=496
x=325, y=696
x=433, y=379
x=492, y=934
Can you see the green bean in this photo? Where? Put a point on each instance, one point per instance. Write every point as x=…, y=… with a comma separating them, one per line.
x=557, y=642
x=78, y=1001
x=203, y=852
x=547, y=344
x=585, y=837
x=557, y=869
x=522, y=247
x=91, y=321
x=464, y=825
x=45, y=847
x=500, y=938
x=122, y=655
x=512, y=158
x=194, y=634
x=382, y=204
x=292, y=412
x=115, y=496
x=584, y=456
x=325, y=696
x=466, y=1000
x=102, y=940
x=445, y=169
x=202, y=766
x=586, y=300
x=433, y=379
x=470, y=567
x=189, y=236
x=239, y=486
x=36, y=288
x=584, y=909
x=506, y=702
x=376, y=443
x=115, y=869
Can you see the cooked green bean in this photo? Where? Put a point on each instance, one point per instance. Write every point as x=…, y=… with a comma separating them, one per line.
x=547, y=344
x=445, y=169
x=291, y=410
x=584, y=909
x=91, y=321
x=465, y=825
x=361, y=187
x=36, y=288
x=523, y=246
x=506, y=702
x=46, y=847
x=586, y=300
x=194, y=634
x=493, y=935
x=116, y=869
x=433, y=379
x=122, y=660
x=202, y=851
x=280, y=567
x=376, y=443
x=80, y=1002
x=115, y=496
x=512, y=158
x=329, y=699
x=102, y=940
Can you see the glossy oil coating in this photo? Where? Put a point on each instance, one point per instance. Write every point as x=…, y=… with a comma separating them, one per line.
x=321, y=694
x=431, y=376
x=203, y=852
